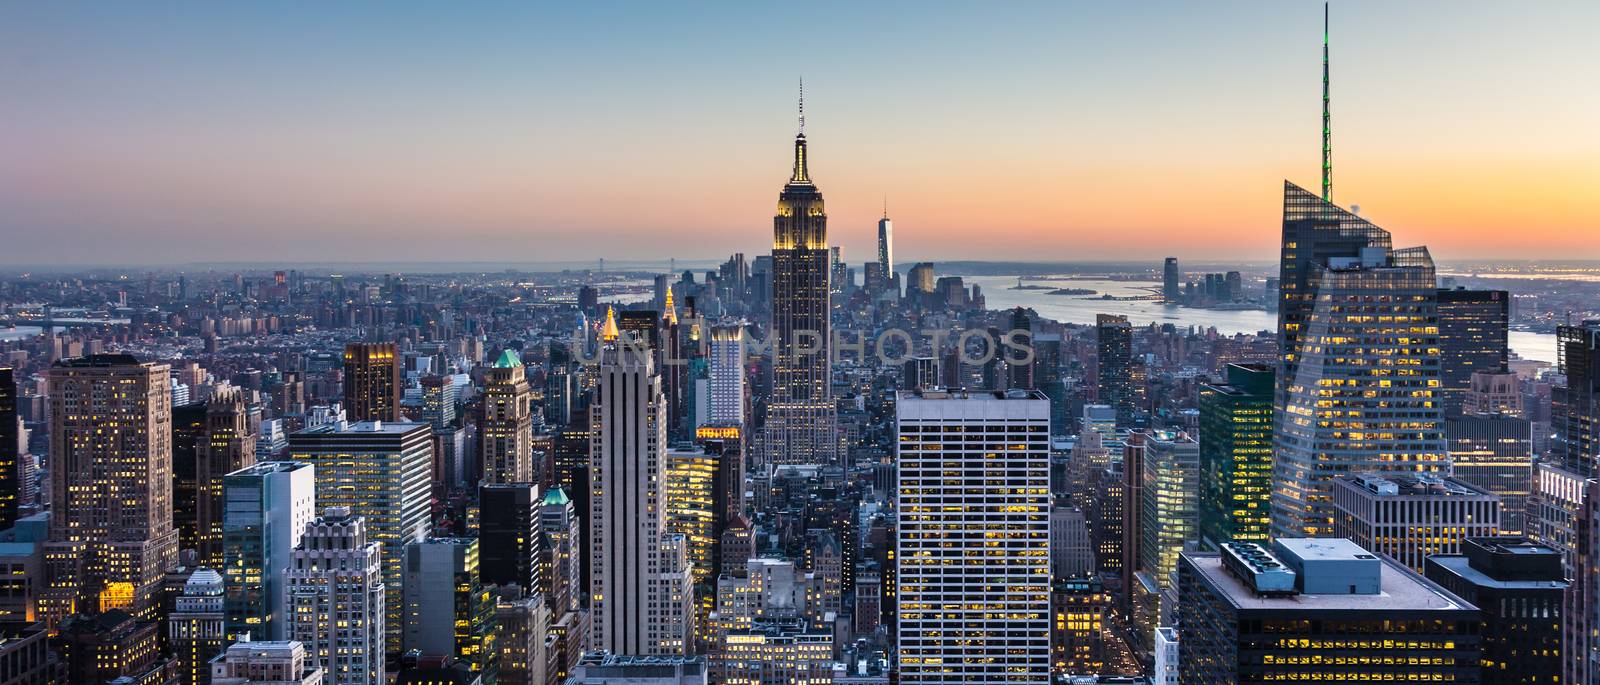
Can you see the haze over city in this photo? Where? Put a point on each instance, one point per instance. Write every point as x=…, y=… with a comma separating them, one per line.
x=165, y=133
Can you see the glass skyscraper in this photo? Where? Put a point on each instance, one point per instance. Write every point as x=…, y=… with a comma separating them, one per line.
x=1236, y=455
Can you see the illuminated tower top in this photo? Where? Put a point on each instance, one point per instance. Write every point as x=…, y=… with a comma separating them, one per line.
x=1327, y=124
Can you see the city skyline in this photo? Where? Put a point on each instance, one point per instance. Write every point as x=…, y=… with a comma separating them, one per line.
x=253, y=134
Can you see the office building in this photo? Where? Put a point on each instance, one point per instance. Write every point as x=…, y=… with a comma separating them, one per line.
x=523, y=627
x=188, y=431
x=1317, y=610
x=111, y=537
x=1494, y=453
x=1363, y=391
x=725, y=376
x=266, y=663
x=372, y=386
x=560, y=526
x=448, y=612
x=605, y=668
x=1071, y=549
x=379, y=471
x=25, y=654
x=775, y=651
x=1519, y=586
x=267, y=508
x=510, y=542
x=1169, y=501
x=640, y=586
x=886, y=245
x=506, y=438
x=801, y=425
x=100, y=649
x=1079, y=608
x=1472, y=337
x=1494, y=393
x=11, y=473
x=1114, y=345
x=1575, y=407
x=1565, y=513
x=196, y=627
x=1236, y=455
x=965, y=616
x=1411, y=518
x=1171, y=277
x=336, y=599
x=229, y=444
x=439, y=401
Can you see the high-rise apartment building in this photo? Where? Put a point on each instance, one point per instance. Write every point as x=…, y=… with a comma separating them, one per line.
x=1362, y=390
x=228, y=444
x=1519, y=586
x=1472, y=337
x=1236, y=455
x=267, y=508
x=1411, y=518
x=336, y=599
x=111, y=538
x=448, y=612
x=1114, y=343
x=1317, y=610
x=372, y=386
x=640, y=587
x=725, y=376
x=1169, y=501
x=11, y=484
x=379, y=471
x=1575, y=407
x=801, y=423
x=195, y=628
x=506, y=428
x=973, y=537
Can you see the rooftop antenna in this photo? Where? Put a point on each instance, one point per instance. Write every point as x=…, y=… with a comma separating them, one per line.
x=1327, y=126
x=802, y=106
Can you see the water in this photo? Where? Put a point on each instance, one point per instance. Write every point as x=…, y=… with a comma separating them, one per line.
x=1082, y=310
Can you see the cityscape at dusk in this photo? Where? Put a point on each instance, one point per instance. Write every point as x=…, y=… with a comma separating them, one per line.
x=1088, y=344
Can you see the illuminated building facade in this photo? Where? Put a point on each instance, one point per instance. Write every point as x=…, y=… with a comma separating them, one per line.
x=973, y=537
x=1170, y=501
x=1575, y=407
x=111, y=537
x=1344, y=615
x=787, y=652
x=1472, y=338
x=1566, y=517
x=228, y=444
x=1494, y=453
x=379, y=471
x=1411, y=518
x=448, y=611
x=1078, y=610
x=267, y=508
x=506, y=438
x=1236, y=455
x=10, y=453
x=336, y=599
x=195, y=629
x=801, y=424
x=1362, y=395
x=692, y=507
x=725, y=376
x=372, y=386
x=640, y=591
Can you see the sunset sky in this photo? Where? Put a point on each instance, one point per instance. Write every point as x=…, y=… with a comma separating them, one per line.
x=278, y=132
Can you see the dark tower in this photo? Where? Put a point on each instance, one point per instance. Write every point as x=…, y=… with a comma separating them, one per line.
x=372, y=382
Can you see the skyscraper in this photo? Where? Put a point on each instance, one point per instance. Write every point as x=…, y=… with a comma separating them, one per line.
x=228, y=444
x=1171, y=289
x=448, y=611
x=268, y=506
x=1518, y=585
x=973, y=538
x=372, y=385
x=509, y=546
x=1565, y=515
x=886, y=245
x=1362, y=387
x=1409, y=518
x=640, y=589
x=559, y=524
x=1575, y=410
x=1236, y=456
x=507, y=423
x=1169, y=501
x=336, y=599
x=1494, y=453
x=195, y=630
x=10, y=452
x=379, y=471
x=1472, y=338
x=1114, y=342
x=725, y=376
x=801, y=425
x=111, y=537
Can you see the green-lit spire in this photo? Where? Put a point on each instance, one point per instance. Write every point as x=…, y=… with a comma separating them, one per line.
x=556, y=496
x=1327, y=120
x=508, y=360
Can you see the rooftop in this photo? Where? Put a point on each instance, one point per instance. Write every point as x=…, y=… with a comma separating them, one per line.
x=1401, y=589
x=1397, y=485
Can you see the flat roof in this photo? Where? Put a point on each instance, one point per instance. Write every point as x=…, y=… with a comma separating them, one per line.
x=1460, y=565
x=1401, y=590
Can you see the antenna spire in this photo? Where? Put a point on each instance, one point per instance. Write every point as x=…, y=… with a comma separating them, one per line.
x=802, y=106
x=1327, y=125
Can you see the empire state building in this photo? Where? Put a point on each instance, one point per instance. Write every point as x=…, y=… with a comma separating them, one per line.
x=801, y=426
